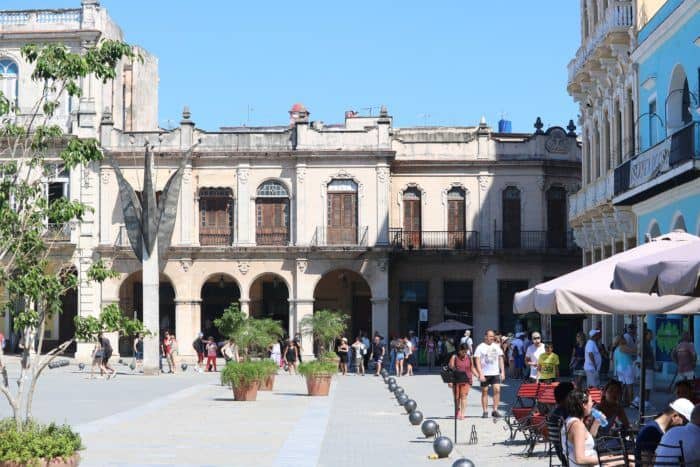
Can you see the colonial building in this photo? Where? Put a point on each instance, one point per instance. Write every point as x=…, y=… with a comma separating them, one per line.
x=398, y=227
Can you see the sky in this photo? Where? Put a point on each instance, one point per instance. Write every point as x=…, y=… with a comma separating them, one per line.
x=442, y=62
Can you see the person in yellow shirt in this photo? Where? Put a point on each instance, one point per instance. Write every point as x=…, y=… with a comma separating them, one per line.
x=548, y=364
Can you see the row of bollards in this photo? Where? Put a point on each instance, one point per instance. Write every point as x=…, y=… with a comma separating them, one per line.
x=442, y=445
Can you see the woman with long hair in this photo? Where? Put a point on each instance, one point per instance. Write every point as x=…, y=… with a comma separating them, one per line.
x=578, y=358
x=461, y=364
x=291, y=356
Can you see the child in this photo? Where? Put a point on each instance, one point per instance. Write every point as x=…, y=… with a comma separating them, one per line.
x=211, y=354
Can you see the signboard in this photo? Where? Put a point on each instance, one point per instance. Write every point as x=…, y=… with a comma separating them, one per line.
x=650, y=163
x=423, y=314
x=668, y=334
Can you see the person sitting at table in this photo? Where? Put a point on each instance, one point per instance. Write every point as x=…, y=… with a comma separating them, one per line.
x=676, y=414
x=689, y=435
x=612, y=409
x=560, y=393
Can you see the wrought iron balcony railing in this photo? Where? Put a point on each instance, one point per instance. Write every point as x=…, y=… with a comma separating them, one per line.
x=329, y=236
x=534, y=240
x=434, y=239
x=270, y=239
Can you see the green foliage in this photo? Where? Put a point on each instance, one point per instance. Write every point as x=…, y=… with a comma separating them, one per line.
x=324, y=326
x=240, y=374
x=111, y=319
x=320, y=367
x=252, y=335
x=35, y=442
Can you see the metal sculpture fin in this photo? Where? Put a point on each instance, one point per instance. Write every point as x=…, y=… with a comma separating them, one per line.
x=131, y=207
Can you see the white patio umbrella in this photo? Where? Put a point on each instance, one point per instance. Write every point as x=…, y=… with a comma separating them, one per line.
x=671, y=271
x=588, y=290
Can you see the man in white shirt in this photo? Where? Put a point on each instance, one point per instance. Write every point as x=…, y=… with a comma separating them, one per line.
x=466, y=339
x=593, y=359
x=533, y=353
x=689, y=434
x=490, y=368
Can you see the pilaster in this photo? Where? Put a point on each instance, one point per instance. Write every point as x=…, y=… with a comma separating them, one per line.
x=188, y=320
x=380, y=316
x=243, y=204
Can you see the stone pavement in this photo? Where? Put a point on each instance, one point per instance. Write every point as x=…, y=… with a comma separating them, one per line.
x=190, y=419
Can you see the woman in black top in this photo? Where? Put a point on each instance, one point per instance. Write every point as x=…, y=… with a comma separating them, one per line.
x=291, y=355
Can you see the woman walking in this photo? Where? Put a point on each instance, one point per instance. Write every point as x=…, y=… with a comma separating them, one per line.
x=410, y=356
x=578, y=358
x=96, y=359
x=623, y=363
x=359, y=350
x=400, y=355
x=343, y=350
x=276, y=354
x=291, y=356
x=430, y=348
x=172, y=358
x=461, y=364
x=211, y=354
x=138, y=353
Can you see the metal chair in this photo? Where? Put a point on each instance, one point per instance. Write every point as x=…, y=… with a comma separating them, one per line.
x=554, y=424
x=518, y=419
x=613, y=450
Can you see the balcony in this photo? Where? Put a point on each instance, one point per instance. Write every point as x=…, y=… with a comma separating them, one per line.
x=224, y=238
x=330, y=236
x=594, y=194
x=534, y=240
x=272, y=239
x=618, y=18
x=434, y=240
x=667, y=163
x=57, y=233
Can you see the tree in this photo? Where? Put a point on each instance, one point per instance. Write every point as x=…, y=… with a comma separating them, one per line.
x=253, y=336
x=324, y=326
x=32, y=280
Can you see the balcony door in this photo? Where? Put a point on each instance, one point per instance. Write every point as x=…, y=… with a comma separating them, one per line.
x=556, y=217
x=272, y=214
x=456, y=221
x=342, y=213
x=412, y=218
x=511, y=218
x=215, y=216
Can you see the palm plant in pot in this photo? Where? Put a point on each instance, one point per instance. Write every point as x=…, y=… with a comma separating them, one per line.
x=318, y=374
x=325, y=326
x=253, y=337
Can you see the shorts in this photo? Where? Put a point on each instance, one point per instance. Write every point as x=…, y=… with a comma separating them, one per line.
x=462, y=389
x=377, y=358
x=106, y=357
x=400, y=356
x=138, y=355
x=592, y=379
x=491, y=380
x=625, y=375
x=686, y=375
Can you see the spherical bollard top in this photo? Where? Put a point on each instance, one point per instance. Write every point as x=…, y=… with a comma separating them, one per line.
x=399, y=390
x=132, y=366
x=402, y=399
x=442, y=446
x=410, y=406
x=184, y=367
x=415, y=417
x=392, y=387
x=81, y=366
x=463, y=462
x=429, y=428
x=392, y=379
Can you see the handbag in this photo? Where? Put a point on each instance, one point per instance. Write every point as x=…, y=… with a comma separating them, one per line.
x=447, y=374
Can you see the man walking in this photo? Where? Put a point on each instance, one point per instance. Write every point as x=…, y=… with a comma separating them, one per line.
x=377, y=354
x=518, y=352
x=685, y=357
x=490, y=368
x=593, y=359
x=532, y=355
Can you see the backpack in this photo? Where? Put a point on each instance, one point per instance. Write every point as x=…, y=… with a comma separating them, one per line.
x=516, y=350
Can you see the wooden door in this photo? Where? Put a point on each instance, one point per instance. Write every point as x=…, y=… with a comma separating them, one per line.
x=342, y=219
x=216, y=219
x=511, y=218
x=456, y=223
x=411, y=222
x=272, y=221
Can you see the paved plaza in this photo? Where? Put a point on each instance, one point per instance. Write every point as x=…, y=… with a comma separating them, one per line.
x=190, y=419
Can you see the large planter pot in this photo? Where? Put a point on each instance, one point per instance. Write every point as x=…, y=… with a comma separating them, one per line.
x=71, y=461
x=267, y=383
x=318, y=385
x=247, y=392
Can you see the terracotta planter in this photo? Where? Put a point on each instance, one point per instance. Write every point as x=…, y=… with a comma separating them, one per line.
x=318, y=385
x=71, y=461
x=267, y=383
x=248, y=392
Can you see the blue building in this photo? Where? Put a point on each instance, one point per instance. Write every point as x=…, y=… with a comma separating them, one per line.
x=661, y=182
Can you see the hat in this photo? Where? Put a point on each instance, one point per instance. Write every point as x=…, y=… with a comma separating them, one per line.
x=593, y=332
x=200, y=334
x=683, y=406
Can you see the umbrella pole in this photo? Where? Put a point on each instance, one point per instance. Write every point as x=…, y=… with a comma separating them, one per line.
x=642, y=382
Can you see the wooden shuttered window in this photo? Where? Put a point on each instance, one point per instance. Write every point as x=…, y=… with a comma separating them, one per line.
x=412, y=217
x=511, y=218
x=456, y=219
x=215, y=216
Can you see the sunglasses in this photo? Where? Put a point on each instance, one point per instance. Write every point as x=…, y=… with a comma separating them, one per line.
x=536, y=338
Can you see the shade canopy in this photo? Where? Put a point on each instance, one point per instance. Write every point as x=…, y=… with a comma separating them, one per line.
x=588, y=290
x=672, y=271
x=449, y=325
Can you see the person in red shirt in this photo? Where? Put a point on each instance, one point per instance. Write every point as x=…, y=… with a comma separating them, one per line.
x=461, y=363
x=211, y=354
x=165, y=348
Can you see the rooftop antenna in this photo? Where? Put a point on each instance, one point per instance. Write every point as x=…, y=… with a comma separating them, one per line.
x=250, y=110
x=370, y=109
x=425, y=117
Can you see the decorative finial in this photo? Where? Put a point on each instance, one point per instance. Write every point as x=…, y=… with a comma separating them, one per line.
x=383, y=112
x=482, y=122
x=186, y=114
x=539, y=126
x=107, y=116
x=572, y=128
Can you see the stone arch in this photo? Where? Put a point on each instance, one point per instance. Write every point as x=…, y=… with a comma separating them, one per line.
x=217, y=292
x=269, y=294
x=348, y=291
x=677, y=100
x=678, y=222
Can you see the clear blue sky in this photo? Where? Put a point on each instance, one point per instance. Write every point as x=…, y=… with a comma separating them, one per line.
x=437, y=62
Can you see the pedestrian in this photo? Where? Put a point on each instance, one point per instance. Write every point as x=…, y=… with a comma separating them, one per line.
x=548, y=364
x=623, y=359
x=461, y=364
x=200, y=347
x=430, y=351
x=649, y=365
x=230, y=351
x=173, y=353
x=97, y=359
x=165, y=350
x=488, y=357
x=138, y=352
x=415, y=349
x=631, y=335
x=297, y=344
x=276, y=353
x=359, y=350
x=449, y=350
x=578, y=359
x=677, y=413
x=440, y=347
x=400, y=355
x=409, y=355
x=106, y=355
x=212, y=349
x=366, y=343
x=593, y=359
x=518, y=352
x=532, y=355
x=685, y=357
x=291, y=355
x=378, y=351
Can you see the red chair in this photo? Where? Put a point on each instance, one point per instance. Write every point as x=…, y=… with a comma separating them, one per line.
x=545, y=397
x=522, y=408
x=596, y=395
